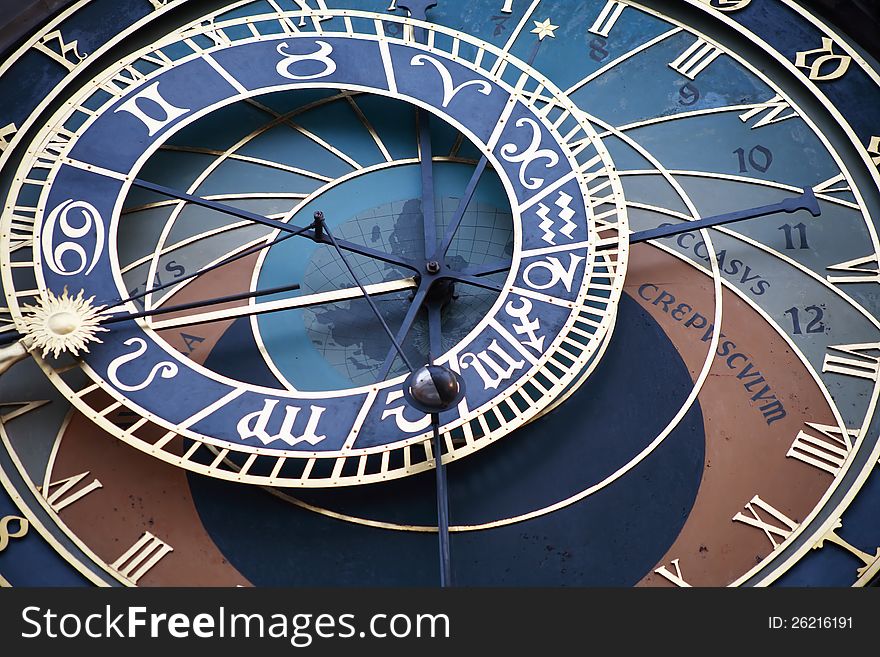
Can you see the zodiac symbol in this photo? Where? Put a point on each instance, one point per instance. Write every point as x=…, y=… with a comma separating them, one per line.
x=485, y=359
x=398, y=414
x=320, y=55
x=254, y=425
x=449, y=90
x=826, y=56
x=59, y=217
x=5, y=534
x=526, y=327
x=558, y=272
x=167, y=369
x=728, y=5
x=532, y=154
x=565, y=214
x=159, y=113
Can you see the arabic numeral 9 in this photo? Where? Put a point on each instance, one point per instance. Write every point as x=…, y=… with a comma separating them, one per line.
x=759, y=159
x=816, y=315
x=689, y=94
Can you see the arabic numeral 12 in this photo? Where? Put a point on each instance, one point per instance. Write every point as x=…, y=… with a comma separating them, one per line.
x=815, y=315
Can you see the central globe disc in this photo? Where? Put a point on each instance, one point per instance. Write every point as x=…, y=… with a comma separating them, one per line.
x=348, y=345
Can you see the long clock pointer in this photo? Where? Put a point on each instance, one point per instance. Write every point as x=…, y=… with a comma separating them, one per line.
x=806, y=201
x=319, y=219
x=165, y=310
x=273, y=223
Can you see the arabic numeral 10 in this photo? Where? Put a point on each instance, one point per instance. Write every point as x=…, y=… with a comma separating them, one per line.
x=758, y=159
x=812, y=315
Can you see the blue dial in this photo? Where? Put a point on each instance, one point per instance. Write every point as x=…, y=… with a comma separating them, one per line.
x=560, y=242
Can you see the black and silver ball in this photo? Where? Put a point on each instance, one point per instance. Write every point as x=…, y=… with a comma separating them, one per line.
x=433, y=389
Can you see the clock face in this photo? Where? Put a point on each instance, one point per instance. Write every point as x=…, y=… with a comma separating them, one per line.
x=639, y=238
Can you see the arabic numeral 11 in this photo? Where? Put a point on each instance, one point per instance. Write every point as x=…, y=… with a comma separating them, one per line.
x=812, y=315
x=795, y=236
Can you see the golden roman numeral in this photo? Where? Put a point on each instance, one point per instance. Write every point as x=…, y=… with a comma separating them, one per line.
x=59, y=499
x=836, y=185
x=66, y=54
x=825, y=448
x=20, y=408
x=675, y=577
x=141, y=557
x=6, y=323
x=6, y=133
x=860, y=365
x=781, y=526
x=123, y=80
x=304, y=5
x=772, y=110
x=54, y=148
x=859, y=270
x=695, y=59
x=21, y=227
x=208, y=29
x=607, y=18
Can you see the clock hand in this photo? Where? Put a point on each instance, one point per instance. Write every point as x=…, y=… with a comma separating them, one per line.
x=410, y=318
x=806, y=201
x=272, y=223
x=486, y=269
x=322, y=225
x=418, y=9
x=426, y=156
x=462, y=207
x=421, y=295
x=206, y=270
x=305, y=301
x=66, y=320
x=435, y=331
x=164, y=310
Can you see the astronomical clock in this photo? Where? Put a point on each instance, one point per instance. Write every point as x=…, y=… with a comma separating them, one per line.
x=641, y=237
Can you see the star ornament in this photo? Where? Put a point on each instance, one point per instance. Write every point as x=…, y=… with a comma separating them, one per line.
x=545, y=29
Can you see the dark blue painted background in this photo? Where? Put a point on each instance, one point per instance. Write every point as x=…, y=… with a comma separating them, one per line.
x=612, y=538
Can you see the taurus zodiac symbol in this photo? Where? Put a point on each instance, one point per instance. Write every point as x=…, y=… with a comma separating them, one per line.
x=320, y=55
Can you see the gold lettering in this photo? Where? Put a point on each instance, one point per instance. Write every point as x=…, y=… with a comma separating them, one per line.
x=6, y=534
x=826, y=55
x=66, y=54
